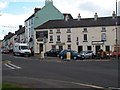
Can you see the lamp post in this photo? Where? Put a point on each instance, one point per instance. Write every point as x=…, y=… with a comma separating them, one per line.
x=116, y=33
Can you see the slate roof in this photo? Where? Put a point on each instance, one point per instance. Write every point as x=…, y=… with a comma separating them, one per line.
x=83, y=22
x=10, y=35
x=20, y=31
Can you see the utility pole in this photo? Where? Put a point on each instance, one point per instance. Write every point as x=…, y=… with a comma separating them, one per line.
x=116, y=33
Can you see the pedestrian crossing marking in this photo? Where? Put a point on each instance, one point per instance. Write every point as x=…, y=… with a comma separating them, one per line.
x=8, y=64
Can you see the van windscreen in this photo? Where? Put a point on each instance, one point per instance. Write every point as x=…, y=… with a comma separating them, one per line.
x=24, y=47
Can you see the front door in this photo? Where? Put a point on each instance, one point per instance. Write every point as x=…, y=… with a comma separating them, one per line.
x=80, y=48
x=97, y=48
x=40, y=48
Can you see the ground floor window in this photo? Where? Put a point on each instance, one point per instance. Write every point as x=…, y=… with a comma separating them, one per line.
x=69, y=46
x=53, y=46
x=89, y=48
x=60, y=47
x=107, y=48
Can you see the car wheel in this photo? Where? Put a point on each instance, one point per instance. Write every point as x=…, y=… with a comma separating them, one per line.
x=61, y=57
x=74, y=58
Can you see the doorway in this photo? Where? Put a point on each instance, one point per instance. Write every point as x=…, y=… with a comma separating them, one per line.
x=97, y=48
x=80, y=48
x=40, y=47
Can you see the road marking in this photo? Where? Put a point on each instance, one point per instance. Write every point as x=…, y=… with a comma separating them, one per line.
x=9, y=66
x=14, y=65
x=88, y=85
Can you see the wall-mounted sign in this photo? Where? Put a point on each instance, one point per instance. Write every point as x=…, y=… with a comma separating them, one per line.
x=97, y=42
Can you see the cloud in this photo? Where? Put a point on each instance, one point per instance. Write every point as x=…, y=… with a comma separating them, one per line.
x=86, y=8
x=3, y=5
x=8, y=22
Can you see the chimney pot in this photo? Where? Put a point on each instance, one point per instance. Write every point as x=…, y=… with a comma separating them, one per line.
x=95, y=16
x=79, y=17
x=113, y=15
x=20, y=26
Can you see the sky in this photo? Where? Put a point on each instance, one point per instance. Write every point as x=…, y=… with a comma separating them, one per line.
x=14, y=12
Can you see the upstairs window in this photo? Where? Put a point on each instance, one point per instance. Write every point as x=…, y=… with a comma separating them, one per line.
x=85, y=38
x=103, y=29
x=68, y=38
x=69, y=30
x=85, y=30
x=58, y=31
x=51, y=32
x=51, y=38
x=58, y=38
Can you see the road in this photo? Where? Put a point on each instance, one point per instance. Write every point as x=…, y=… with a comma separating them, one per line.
x=35, y=73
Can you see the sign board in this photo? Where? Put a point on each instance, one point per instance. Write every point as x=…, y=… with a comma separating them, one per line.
x=97, y=42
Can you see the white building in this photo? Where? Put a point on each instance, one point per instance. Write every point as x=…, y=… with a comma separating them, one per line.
x=79, y=34
x=29, y=29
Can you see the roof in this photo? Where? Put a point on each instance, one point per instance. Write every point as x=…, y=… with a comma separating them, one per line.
x=83, y=22
x=10, y=35
x=20, y=31
x=35, y=11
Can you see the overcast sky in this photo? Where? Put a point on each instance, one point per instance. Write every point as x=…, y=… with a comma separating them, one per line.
x=14, y=12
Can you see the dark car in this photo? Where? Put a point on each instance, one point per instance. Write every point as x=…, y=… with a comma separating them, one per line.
x=73, y=55
x=88, y=54
x=53, y=52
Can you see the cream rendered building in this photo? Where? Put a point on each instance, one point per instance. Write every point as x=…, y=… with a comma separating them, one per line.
x=80, y=34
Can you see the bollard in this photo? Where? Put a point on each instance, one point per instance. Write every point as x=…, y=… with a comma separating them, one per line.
x=68, y=56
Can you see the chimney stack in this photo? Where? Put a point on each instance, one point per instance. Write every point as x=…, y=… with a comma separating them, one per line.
x=79, y=17
x=113, y=15
x=20, y=26
x=66, y=18
x=36, y=10
x=95, y=16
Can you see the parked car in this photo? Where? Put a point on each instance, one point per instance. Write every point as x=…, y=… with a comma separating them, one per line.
x=4, y=51
x=73, y=55
x=53, y=52
x=88, y=54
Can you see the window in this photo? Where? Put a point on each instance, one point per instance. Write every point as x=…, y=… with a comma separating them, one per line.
x=85, y=38
x=89, y=48
x=69, y=46
x=51, y=38
x=51, y=32
x=103, y=29
x=85, y=30
x=58, y=38
x=107, y=48
x=103, y=37
x=58, y=31
x=69, y=30
x=53, y=47
x=69, y=38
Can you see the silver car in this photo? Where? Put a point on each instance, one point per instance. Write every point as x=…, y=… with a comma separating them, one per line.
x=88, y=54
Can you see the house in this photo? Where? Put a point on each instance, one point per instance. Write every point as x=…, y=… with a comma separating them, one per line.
x=20, y=35
x=78, y=34
x=8, y=41
x=40, y=16
x=29, y=29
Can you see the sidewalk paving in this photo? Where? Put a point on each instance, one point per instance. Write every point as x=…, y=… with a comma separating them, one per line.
x=37, y=57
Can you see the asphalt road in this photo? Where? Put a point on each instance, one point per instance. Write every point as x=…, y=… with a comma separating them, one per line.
x=34, y=73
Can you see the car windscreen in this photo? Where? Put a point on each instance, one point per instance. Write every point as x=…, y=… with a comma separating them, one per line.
x=24, y=47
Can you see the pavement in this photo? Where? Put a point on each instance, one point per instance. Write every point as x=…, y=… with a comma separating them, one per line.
x=37, y=57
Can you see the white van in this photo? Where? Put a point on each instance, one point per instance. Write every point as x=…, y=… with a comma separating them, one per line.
x=21, y=49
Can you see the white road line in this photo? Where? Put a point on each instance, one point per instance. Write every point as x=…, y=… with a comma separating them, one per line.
x=9, y=66
x=14, y=65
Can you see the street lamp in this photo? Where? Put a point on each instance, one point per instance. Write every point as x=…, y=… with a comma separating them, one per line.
x=116, y=34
